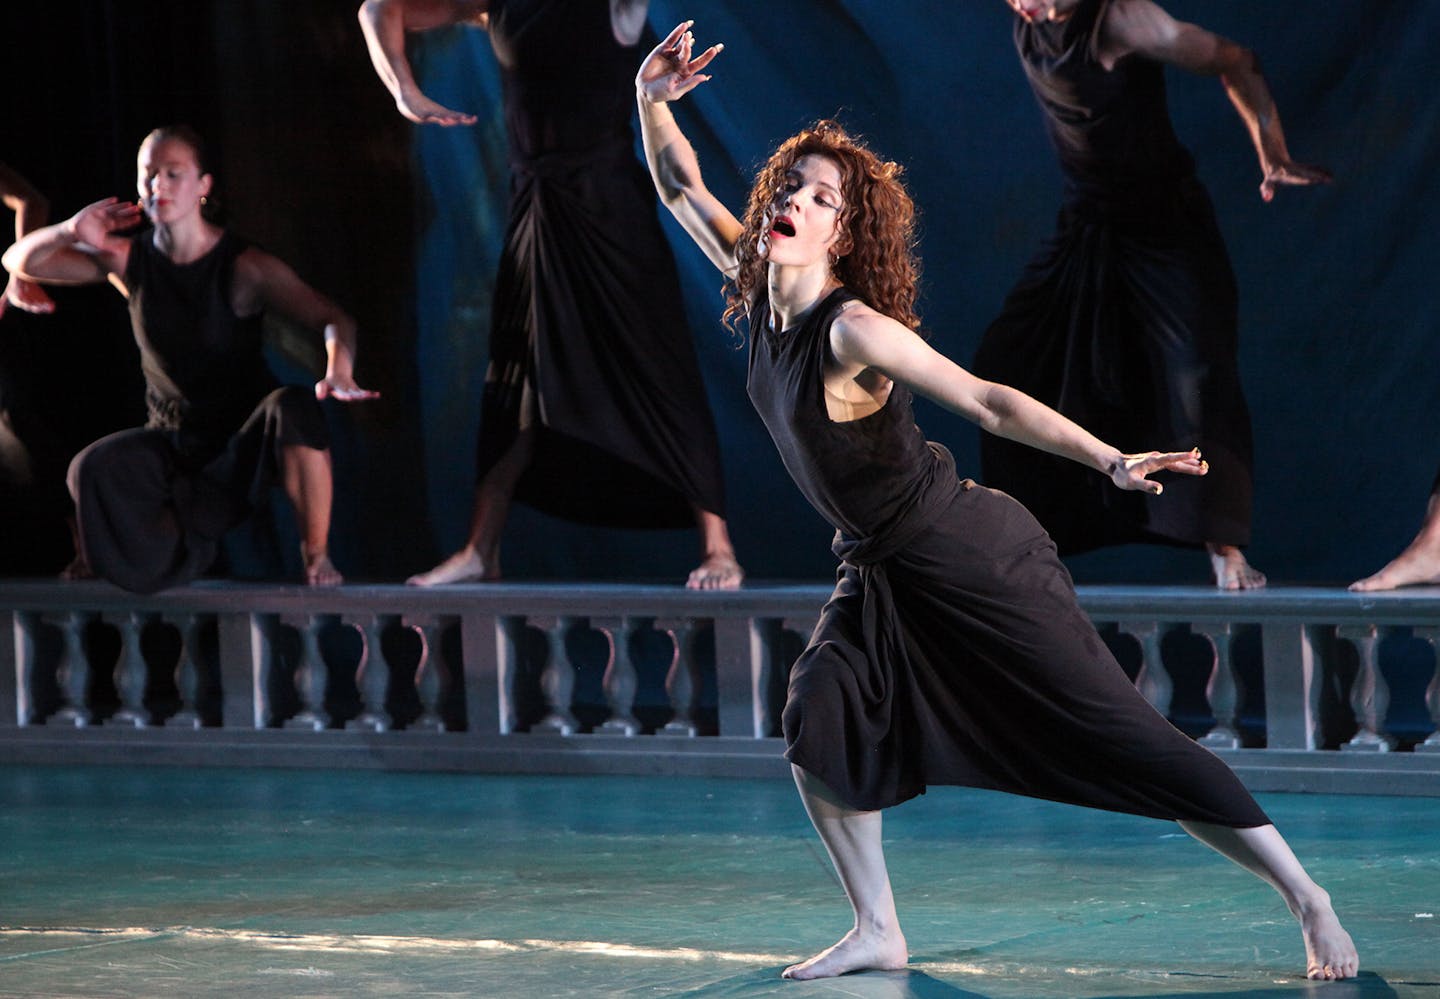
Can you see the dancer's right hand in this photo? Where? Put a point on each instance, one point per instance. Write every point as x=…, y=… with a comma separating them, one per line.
x=669, y=72
x=96, y=223
x=26, y=295
x=1133, y=471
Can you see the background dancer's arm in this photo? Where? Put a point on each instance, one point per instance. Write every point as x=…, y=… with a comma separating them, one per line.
x=864, y=339
x=1141, y=27
x=84, y=249
x=266, y=282
x=32, y=211
x=384, y=23
x=667, y=74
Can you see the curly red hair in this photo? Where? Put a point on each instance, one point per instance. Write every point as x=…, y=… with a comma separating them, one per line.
x=877, y=222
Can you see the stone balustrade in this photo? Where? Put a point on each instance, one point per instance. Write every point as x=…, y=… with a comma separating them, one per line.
x=1297, y=688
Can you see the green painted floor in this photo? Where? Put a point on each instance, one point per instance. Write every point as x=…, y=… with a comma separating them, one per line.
x=169, y=882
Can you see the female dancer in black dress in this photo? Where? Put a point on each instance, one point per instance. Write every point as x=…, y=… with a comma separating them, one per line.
x=594, y=409
x=953, y=650
x=153, y=503
x=1126, y=319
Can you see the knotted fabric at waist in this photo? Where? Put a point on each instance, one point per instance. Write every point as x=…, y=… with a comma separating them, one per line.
x=560, y=163
x=930, y=501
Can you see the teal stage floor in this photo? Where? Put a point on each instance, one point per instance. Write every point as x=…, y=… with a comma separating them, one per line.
x=169, y=882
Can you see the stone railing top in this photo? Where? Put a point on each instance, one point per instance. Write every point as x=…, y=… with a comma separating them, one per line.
x=1417, y=605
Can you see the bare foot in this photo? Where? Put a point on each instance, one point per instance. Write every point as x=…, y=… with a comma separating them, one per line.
x=876, y=950
x=1417, y=565
x=717, y=572
x=1232, y=571
x=465, y=566
x=320, y=571
x=1329, y=951
x=77, y=569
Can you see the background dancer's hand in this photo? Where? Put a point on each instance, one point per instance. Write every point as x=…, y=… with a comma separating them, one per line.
x=343, y=389
x=1132, y=471
x=671, y=71
x=26, y=295
x=96, y=224
x=1290, y=174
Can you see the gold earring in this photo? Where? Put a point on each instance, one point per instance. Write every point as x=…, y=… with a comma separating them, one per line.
x=204, y=200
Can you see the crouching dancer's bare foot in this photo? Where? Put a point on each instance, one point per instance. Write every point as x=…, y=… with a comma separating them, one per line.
x=1232, y=571
x=319, y=570
x=874, y=949
x=717, y=572
x=1329, y=951
x=465, y=566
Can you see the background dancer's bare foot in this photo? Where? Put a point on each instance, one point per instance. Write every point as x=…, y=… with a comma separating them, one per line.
x=77, y=569
x=1232, y=571
x=1329, y=952
x=465, y=566
x=320, y=571
x=717, y=572
x=876, y=950
x=1418, y=565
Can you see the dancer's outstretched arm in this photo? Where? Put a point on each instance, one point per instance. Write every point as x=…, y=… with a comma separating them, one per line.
x=862, y=339
x=1142, y=27
x=668, y=73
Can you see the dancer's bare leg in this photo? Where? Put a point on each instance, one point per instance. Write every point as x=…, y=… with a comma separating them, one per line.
x=79, y=566
x=311, y=488
x=1329, y=951
x=852, y=839
x=1417, y=565
x=479, y=558
x=718, y=569
x=1232, y=571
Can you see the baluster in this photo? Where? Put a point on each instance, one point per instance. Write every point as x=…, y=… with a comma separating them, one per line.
x=434, y=679
x=557, y=679
x=312, y=673
x=1431, y=635
x=131, y=673
x=1222, y=689
x=372, y=678
x=682, y=679
x=620, y=680
x=187, y=671
x=1152, y=681
x=1369, y=694
x=73, y=674
x=26, y=622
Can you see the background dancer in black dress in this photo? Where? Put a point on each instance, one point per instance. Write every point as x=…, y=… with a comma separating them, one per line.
x=1126, y=319
x=594, y=409
x=953, y=650
x=153, y=503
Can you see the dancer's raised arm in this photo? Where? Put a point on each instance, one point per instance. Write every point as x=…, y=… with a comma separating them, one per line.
x=31, y=212
x=1141, y=26
x=84, y=249
x=668, y=73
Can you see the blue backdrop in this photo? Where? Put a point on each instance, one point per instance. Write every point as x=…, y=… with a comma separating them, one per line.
x=1338, y=330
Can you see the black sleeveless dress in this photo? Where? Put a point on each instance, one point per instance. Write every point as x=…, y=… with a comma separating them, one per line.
x=152, y=503
x=953, y=650
x=1125, y=321
x=587, y=313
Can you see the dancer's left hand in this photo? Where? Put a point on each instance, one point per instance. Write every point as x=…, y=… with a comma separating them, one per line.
x=342, y=388
x=1291, y=174
x=1132, y=471
x=671, y=70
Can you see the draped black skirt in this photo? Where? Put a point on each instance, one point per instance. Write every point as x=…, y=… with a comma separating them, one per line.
x=964, y=658
x=588, y=331
x=1126, y=323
